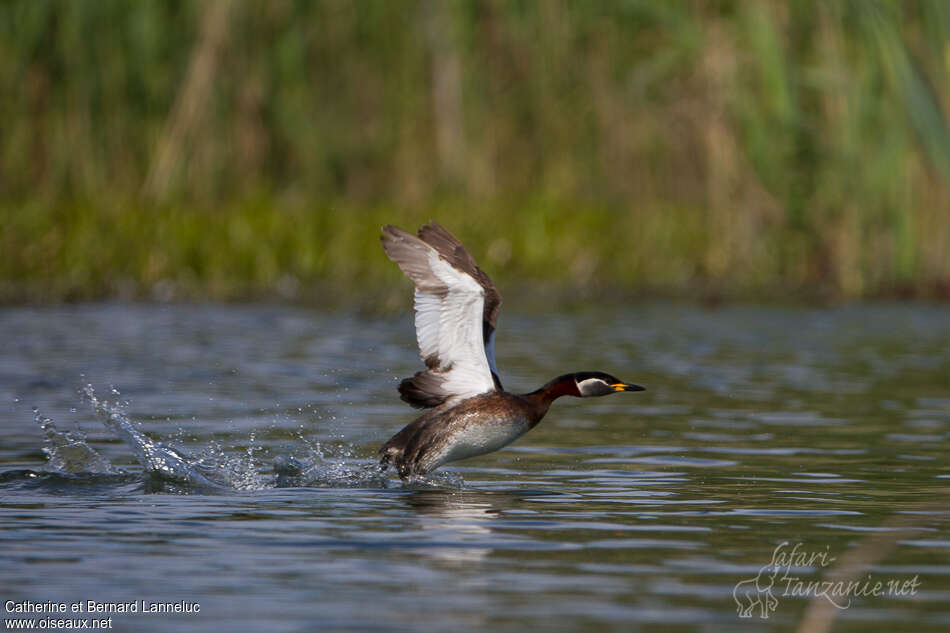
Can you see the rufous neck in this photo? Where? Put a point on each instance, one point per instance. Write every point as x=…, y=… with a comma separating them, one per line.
x=561, y=386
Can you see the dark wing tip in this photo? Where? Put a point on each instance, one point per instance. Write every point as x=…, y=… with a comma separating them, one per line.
x=391, y=232
x=442, y=240
x=454, y=252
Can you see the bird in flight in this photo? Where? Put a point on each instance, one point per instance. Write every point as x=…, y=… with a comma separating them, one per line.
x=469, y=412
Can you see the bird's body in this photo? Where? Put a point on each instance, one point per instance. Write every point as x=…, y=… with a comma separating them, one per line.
x=456, y=307
x=478, y=425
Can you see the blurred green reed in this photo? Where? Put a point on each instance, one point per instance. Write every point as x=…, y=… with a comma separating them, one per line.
x=225, y=149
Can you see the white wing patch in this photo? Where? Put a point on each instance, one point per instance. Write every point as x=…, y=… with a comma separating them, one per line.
x=427, y=317
x=450, y=322
x=449, y=331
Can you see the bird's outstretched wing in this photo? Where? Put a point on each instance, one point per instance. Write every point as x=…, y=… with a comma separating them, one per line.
x=456, y=306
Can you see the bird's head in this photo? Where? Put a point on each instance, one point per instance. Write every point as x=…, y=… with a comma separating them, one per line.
x=597, y=383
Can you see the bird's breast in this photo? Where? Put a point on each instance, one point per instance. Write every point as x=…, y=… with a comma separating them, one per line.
x=484, y=434
x=474, y=427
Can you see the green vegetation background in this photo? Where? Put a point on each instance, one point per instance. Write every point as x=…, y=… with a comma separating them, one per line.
x=230, y=149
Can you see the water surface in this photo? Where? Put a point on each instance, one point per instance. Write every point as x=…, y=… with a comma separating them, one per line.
x=224, y=455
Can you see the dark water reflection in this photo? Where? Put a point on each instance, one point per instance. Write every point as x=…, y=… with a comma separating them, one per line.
x=823, y=428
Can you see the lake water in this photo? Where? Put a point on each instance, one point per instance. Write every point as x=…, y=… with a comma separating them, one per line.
x=224, y=456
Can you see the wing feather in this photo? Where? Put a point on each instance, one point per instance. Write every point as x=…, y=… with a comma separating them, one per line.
x=450, y=317
x=452, y=251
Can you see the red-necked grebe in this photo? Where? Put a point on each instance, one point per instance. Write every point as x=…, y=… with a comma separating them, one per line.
x=456, y=307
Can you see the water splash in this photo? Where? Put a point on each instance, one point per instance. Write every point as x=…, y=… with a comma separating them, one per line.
x=440, y=479
x=68, y=452
x=241, y=471
x=215, y=468
x=157, y=459
x=335, y=466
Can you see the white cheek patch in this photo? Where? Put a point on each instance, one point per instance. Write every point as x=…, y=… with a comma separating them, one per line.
x=592, y=385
